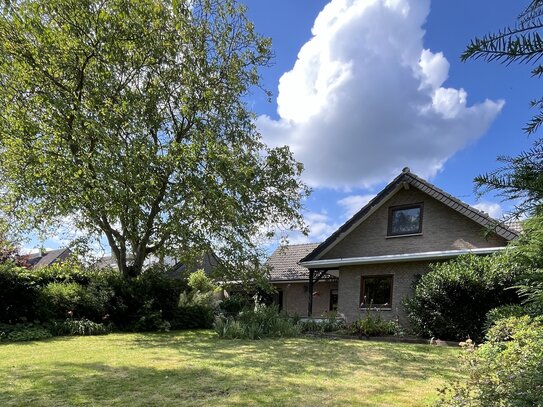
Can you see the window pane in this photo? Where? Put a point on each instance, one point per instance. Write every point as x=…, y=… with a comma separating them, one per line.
x=405, y=221
x=376, y=291
x=333, y=299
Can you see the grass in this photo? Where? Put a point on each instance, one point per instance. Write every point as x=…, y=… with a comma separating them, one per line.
x=196, y=369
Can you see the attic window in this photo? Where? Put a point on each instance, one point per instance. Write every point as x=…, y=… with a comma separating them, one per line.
x=405, y=220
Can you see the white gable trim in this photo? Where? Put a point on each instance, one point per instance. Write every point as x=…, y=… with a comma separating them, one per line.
x=397, y=258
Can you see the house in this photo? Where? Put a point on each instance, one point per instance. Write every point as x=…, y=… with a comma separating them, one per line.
x=207, y=261
x=45, y=258
x=291, y=281
x=376, y=256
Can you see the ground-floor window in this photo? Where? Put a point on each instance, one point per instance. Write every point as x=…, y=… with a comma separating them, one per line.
x=333, y=299
x=376, y=291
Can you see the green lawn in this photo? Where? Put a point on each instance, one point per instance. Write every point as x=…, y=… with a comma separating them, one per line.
x=197, y=369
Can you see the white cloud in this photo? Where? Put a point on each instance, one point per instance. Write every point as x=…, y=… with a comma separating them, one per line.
x=493, y=209
x=353, y=203
x=320, y=226
x=365, y=99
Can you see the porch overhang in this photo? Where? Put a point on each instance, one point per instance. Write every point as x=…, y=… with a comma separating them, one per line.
x=396, y=258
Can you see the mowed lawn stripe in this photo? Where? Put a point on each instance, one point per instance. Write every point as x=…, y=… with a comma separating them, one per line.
x=195, y=368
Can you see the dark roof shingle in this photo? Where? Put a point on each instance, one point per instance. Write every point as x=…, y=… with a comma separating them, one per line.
x=44, y=259
x=284, y=262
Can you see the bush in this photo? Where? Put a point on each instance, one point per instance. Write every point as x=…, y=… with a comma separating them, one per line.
x=18, y=294
x=23, y=332
x=373, y=325
x=503, y=312
x=507, y=370
x=193, y=317
x=452, y=300
x=51, y=292
x=262, y=322
x=235, y=304
x=199, y=281
x=60, y=300
x=80, y=327
x=330, y=324
x=144, y=301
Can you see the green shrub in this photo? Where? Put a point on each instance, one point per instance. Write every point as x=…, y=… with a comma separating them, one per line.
x=193, y=317
x=229, y=328
x=141, y=302
x=80, y=327
x=234, y=304
x=452, y=300
x=262, y=322
x=330, y=324
x=60, y=300
x=23, y=332
x=66, y=271
x=505, y=311
x=18, y=294
x=506, y=370
x=199, y=281
x=373, y=325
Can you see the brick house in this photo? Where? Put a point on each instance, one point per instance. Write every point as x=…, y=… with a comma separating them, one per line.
x=374, y=258
x=292, y=282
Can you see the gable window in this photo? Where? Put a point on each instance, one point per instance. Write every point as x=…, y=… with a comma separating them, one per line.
x=405, y=220
x=376, y=291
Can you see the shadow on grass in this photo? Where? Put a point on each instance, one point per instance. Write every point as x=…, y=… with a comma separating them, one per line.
x=310, y=355
x=195, y=368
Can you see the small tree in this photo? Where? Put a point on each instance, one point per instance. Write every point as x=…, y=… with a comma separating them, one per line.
x=129, y=119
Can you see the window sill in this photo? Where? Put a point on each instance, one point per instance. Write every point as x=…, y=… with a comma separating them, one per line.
x=375, y=309
x=407, y=235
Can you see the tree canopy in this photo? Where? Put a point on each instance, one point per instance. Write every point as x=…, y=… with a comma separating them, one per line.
x=130, y=119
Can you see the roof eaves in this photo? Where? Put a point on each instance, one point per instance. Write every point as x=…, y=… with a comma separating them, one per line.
x=356, y=217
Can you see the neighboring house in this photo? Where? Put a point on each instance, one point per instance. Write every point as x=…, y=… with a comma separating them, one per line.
x=178, y=269
x=378, y=253
x=46, y=258
x=207, y=262
x=292, y=282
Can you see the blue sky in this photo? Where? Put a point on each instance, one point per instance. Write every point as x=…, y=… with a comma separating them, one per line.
x=362, y=88
x=459, y=145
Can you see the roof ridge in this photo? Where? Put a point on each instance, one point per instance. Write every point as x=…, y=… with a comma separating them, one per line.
x=407, y=175
x=467, y=205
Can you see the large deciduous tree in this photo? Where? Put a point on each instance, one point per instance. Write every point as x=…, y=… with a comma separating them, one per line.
x=130, y=119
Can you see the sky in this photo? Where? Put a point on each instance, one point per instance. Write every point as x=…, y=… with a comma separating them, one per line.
x=364, y=88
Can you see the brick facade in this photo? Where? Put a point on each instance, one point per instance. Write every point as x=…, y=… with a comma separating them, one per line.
x=295, y=297
x=404, y=275
x=443, y=228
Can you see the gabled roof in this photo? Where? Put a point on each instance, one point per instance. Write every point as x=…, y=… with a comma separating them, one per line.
x=44, y=259
x=407, y=178
x=284, y=265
